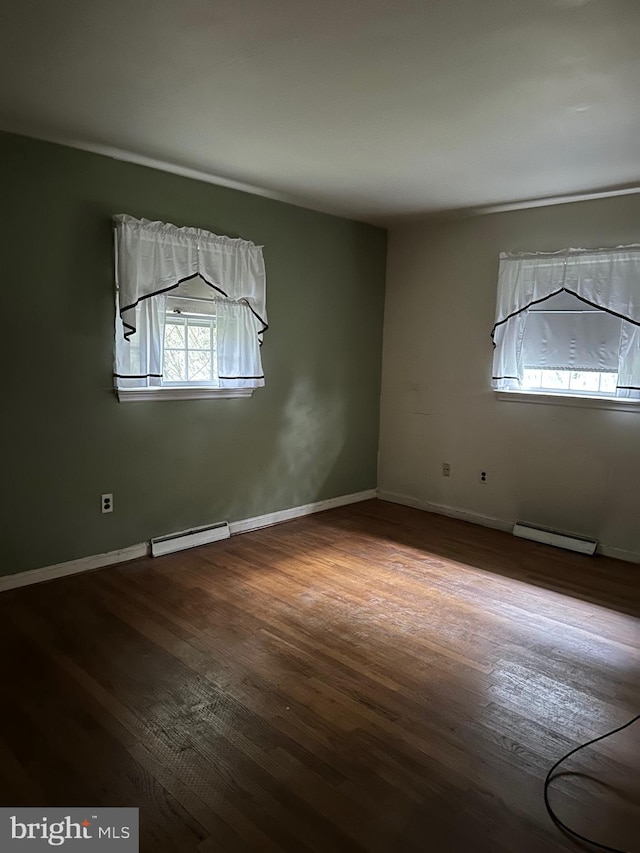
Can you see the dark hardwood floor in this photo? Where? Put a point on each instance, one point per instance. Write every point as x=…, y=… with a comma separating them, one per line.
x=372, y=678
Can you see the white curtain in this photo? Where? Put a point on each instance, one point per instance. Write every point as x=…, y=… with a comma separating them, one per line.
x=155, y=258
x=606, y=279
x=138, y=358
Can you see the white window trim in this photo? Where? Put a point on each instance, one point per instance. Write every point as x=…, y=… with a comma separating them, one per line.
x=616, y=404
x=181, y=392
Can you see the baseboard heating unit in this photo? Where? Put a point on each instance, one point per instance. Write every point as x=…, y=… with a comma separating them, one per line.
x=582, y=544
x=189, y=538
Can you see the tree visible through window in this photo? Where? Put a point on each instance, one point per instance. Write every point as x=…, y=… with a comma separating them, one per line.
x=190, y=352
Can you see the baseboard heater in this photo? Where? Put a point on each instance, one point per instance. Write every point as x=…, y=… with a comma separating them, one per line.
x=189, y=538
x=582, y=544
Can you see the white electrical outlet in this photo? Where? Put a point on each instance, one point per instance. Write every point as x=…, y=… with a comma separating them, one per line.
x=107, y=503
x=483, y=477
x=446, y=469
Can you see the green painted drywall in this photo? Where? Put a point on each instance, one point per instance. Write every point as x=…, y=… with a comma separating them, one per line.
x=310, y=434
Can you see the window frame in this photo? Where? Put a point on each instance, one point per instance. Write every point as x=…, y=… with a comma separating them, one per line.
x=199, y=320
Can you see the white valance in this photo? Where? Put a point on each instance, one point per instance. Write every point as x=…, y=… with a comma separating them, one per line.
x=154, y=259
x=606, y=279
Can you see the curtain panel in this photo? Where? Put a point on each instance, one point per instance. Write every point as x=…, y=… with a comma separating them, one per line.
x=155, y=258
x=607, y=279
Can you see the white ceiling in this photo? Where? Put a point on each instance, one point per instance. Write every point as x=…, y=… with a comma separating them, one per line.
x=366, y=108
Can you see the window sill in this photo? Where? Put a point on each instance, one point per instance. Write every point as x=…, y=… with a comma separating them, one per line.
x=616, y=404
x=129, y=395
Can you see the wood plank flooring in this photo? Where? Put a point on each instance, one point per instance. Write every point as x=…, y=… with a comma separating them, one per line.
x=372, y=678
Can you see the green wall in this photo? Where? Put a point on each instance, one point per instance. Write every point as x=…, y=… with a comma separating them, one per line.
x=310, y=434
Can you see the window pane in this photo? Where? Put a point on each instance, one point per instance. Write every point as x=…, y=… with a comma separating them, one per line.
x=199, y=337
x=555, y=379
x=174, y=335
x=174, y=366
x=532, y=378
x=199, y=366
x=583, y=380
x=608, y=383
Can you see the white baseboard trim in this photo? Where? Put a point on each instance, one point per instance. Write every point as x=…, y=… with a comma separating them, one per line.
x=270, y=518
x=133, y=552
x=490, y=521
x=449, y=511
x=73, y=567
x=618, y=553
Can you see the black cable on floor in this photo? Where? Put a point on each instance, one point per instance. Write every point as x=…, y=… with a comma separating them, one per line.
x=563, y=826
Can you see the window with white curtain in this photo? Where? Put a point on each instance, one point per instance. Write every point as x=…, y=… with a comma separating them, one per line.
x=190, y=312
x=568, y=323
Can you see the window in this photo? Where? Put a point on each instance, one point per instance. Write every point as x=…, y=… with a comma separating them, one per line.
x=568, y=324
x=590, y=383
x=190, y=313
